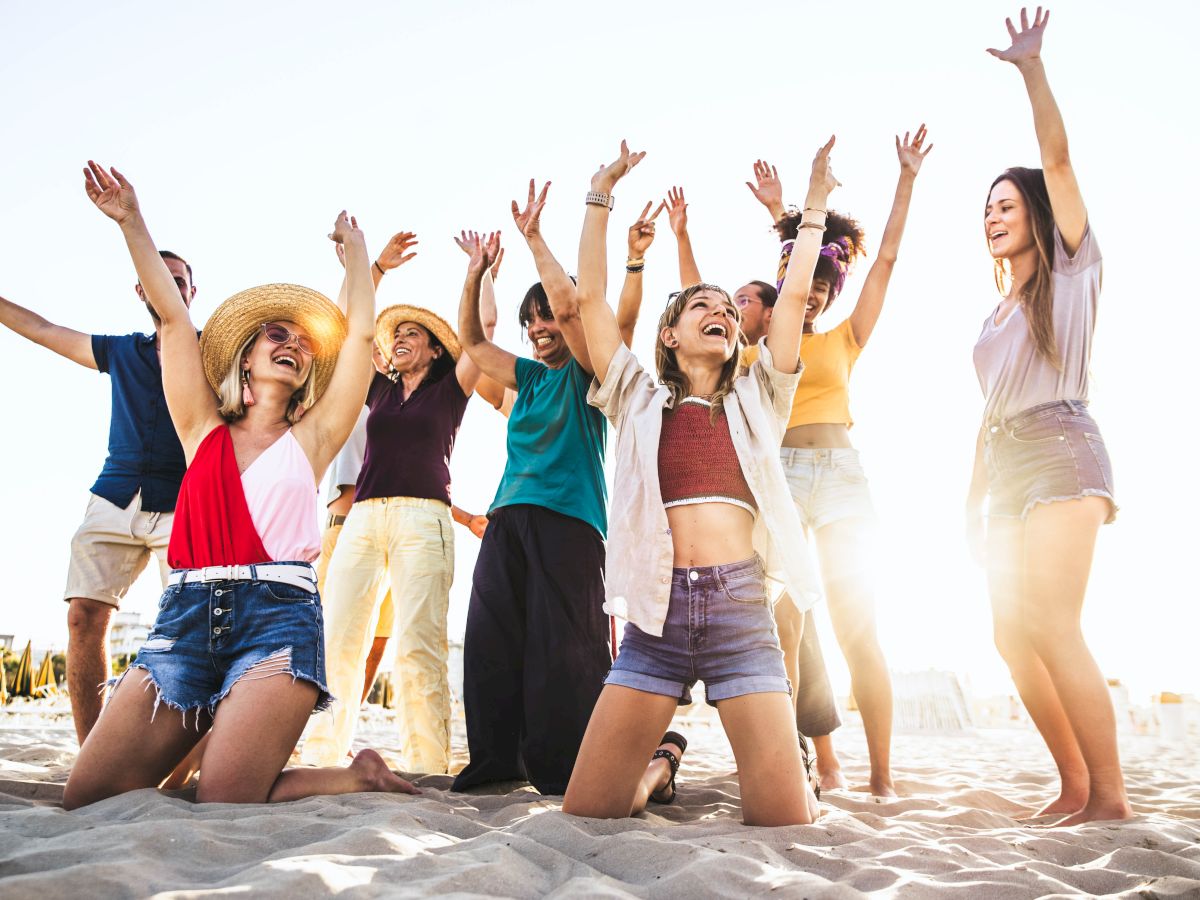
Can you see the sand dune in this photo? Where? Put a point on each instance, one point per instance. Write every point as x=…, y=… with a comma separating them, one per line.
x=954, y=833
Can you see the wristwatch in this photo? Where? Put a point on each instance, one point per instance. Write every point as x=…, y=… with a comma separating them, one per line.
x=599, y=199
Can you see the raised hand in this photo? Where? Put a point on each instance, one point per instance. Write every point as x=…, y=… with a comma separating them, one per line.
x=910, y=152
x=529, y=219
x=641, y=232
x=496, y=264
x=822, y=173
x=607, y=176
x=767, y=189
x=345, y=228
x=110, y=191
x=1026, y=43
x=482, y=248
x=396, y=253
x=676, y=210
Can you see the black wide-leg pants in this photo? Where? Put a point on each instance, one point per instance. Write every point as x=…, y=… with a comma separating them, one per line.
x=536, y=650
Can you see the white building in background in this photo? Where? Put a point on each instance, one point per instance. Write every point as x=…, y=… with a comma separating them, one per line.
x=128, y=633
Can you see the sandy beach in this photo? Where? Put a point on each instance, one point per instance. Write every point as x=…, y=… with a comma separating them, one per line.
x=954, y=833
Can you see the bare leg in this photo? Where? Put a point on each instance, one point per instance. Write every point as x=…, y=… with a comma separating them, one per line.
x=762, y=731
x=185, y=771
x=1059, y=542
x=844, y=558
x=254, y=732
x=88, y=667
x=829, y=767
x=373, y=658
x=611, y=779
x=1005, y=550
x=133, y=745
x=789, y=621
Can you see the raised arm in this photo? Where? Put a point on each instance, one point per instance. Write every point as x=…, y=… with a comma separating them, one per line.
x=641, y=236
x=689, y=272
x=190, y=399
x=325, y=427
x=486, y=387
x=768, y=189
x=493, y=361
x=1066, y=201
x=560, y=290
x=74, y=345
x=466, y=370
x=599, y=322
x=787, y=322
x=870, y=301
x=397, y=252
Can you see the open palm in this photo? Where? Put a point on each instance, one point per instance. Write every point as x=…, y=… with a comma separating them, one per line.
x=1026, y=43
x=110, y=191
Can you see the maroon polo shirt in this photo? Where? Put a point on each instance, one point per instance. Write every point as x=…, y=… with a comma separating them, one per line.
x=409, y=441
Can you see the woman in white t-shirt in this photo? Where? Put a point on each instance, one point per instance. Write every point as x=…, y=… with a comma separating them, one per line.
x=1040, y=461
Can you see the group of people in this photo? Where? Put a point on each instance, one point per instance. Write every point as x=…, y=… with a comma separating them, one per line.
x=728, y=458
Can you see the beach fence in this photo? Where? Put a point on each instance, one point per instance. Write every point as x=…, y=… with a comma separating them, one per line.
x=930, y=701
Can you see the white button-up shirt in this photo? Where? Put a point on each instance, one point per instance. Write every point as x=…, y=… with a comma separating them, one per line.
x=637, y=584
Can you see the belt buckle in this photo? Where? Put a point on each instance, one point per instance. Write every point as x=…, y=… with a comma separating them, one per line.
x=215, y=573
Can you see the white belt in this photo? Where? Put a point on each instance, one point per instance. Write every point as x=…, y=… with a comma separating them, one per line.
x=299, y=575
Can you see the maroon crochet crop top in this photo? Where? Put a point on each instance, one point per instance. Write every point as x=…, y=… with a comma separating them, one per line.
x=697, y=462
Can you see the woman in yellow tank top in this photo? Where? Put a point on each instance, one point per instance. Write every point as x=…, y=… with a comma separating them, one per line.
x=822, y=467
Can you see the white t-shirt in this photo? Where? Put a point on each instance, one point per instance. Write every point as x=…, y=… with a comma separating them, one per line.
x=349, y=462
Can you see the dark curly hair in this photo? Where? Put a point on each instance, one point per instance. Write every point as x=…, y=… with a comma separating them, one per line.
x=839, y=229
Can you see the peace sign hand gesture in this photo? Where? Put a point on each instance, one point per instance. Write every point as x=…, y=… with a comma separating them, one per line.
x=111, y=192
x=1026, y=43
x=641, y=232
x=910, y=152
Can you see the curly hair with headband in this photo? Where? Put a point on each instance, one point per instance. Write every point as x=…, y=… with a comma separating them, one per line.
x=845, y=244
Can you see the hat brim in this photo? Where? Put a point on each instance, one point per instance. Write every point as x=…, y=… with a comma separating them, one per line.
x=237, y=319
x=386, y=322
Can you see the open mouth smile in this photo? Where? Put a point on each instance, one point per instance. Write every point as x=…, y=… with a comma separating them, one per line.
x=287, y=360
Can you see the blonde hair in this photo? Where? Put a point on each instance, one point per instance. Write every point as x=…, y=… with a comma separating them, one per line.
x=231, y=408
x=669, y=372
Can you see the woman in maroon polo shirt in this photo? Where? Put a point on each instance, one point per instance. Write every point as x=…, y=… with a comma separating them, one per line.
x=400, y=523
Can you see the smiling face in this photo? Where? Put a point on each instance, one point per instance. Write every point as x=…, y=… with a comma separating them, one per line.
x=756, y=315
x=413, y=348
x=283, y=362
x=818, y=299
x=1006, y=221
x=706, y=331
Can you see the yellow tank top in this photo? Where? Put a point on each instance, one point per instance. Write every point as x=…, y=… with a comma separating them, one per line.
x=823, y=395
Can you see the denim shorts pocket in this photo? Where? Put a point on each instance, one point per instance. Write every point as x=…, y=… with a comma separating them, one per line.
x=1040, y=430
x=287, y=593
x=1096, y=444
x=750, y=591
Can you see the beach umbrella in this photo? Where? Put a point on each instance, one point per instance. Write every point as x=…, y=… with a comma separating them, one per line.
x=22, y=685
x=4, y=698
x=43, y=682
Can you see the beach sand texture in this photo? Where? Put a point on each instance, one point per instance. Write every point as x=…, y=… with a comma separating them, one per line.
x=954, y=834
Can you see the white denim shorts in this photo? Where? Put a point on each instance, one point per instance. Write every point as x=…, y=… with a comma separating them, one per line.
x=827, y=485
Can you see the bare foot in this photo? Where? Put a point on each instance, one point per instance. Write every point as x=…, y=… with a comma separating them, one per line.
x=660, y=770
x=1068, y=802
x=830, y=779
x=878, y=787
x=1098, y=811
x=375, y=775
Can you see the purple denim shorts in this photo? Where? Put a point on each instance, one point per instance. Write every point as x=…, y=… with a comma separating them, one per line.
x=1044, y=454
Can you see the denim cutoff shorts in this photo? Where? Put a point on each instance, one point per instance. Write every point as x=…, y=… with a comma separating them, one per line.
x=827, y=485
x=208, y=635
x=719, y=630
x=1044, y=454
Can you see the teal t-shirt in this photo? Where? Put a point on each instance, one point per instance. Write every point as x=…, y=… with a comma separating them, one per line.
x=556, y=445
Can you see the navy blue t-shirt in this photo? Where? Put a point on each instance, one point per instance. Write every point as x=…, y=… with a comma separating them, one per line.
x=144, y=452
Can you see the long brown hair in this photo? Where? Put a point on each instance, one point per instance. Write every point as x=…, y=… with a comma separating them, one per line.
x=669, y=372
x=1037, y=294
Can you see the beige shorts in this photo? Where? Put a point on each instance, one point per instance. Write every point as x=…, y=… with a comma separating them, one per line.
x=112, y=547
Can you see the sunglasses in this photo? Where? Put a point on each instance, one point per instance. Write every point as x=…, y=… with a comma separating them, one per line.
x=277, y=334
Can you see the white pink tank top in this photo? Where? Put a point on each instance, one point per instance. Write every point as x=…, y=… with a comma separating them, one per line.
x=281, y=492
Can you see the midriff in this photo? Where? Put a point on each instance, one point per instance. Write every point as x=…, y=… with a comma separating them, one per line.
x=819, y=435
x=710, y=534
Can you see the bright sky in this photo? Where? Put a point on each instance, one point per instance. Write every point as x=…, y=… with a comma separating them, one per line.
x=246, y=127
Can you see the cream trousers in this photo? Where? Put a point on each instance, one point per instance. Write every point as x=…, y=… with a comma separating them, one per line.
x=413, y=541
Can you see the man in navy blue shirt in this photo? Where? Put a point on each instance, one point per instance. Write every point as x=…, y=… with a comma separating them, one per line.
x=129, y=513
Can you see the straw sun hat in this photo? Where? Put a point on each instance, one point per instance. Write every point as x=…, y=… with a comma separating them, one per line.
x=386, y=322
x=237, y=320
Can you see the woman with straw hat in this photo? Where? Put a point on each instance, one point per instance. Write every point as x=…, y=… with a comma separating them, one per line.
x=400, y=523
x=241, y=608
